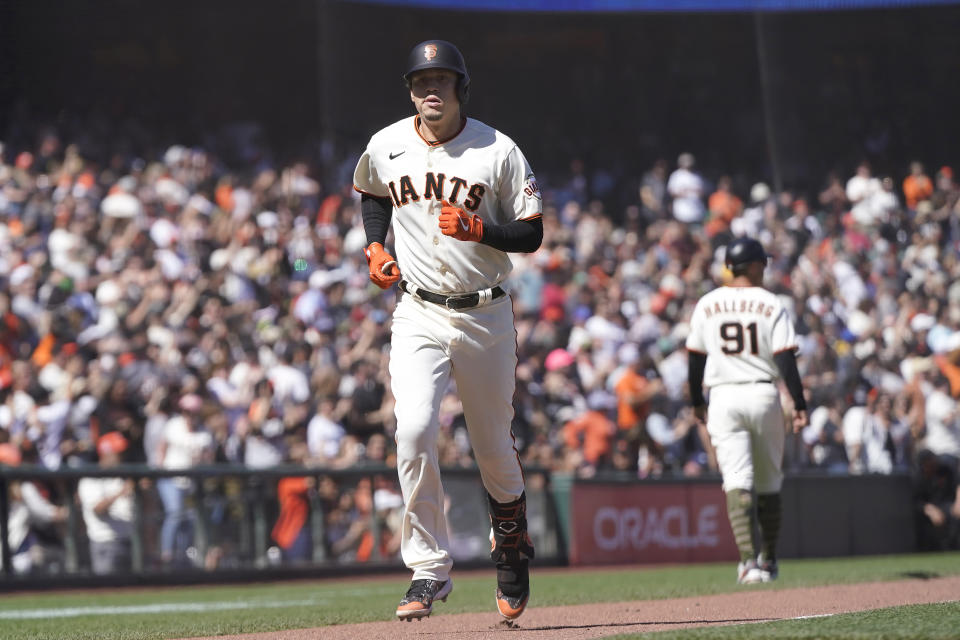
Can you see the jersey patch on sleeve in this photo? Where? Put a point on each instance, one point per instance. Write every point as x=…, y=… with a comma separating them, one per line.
x=530, y=187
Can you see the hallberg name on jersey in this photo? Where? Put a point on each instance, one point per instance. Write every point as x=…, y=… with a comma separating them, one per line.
x=752, y=306
x=434, y=187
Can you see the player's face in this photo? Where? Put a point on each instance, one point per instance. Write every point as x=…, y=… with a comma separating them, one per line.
x=434, y=93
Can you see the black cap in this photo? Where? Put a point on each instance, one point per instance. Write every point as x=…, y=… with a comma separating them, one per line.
x=743, y=251
x=436, y=54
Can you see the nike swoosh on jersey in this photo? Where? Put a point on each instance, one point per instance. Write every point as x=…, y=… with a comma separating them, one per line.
x=394, y=156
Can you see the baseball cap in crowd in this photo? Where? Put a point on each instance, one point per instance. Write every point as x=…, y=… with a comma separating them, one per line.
x=552, y=313
x=558, y=359
x=24, y=160
x=108, y=293
x=112, y=442
x=10, y=455
x=582, y=313
x=21, y=274
x=175, y=155
x=922, y=322
x=628, y=353
x=658, y=303
x=190, y=402
x=267, y=219
x=671, y=285
x=759, y=192
x=121, y=205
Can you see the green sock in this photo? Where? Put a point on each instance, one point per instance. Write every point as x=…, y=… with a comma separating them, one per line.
x=768, y=513
x=740, y=512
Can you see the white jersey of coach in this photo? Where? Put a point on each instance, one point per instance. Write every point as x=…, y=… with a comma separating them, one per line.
x=479, y=170
x=740, y=329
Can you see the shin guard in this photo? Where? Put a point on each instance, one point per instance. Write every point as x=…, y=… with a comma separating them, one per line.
x=511, y=546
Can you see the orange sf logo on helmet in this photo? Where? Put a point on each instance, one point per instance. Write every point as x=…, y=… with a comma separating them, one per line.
x=430, y=52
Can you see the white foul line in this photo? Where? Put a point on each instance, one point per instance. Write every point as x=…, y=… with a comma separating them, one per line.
x=172, y=607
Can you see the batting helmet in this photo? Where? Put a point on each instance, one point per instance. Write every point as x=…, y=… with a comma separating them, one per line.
x=743, y=251
x=439, y=54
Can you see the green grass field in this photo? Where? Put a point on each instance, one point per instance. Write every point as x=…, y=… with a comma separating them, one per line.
x=917, y=622
x=178, y=612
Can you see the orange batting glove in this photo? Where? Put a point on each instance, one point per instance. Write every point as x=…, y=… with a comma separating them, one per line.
x=456, y=222
x=383, y=266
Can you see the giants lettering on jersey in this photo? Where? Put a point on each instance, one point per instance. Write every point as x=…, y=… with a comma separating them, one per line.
x=754, y=307
x=434, y=188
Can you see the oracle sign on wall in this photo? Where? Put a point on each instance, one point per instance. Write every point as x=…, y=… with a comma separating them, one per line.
x=615, y=523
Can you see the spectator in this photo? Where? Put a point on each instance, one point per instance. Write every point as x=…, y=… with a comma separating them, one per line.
x=941, y=435
x=262, y=429
x=388, y=502
x=754, y=218
x=324, y=433
x=592, y=433
x=679, y=444
x=342, y=527
x=185, y=284
x=872, y=199
x=686, y=188
x=803, y=224
x=653, y=190
x=917, y=186
x=107, y=505
x=877, y=436
x=946, y=191
x=634, y=393
x=833, y=196
x=723, y=206
x=34, y=520
x=823, y=438
x=185, y=444
x=937, y=496
x=292, y=531
x=862, y=186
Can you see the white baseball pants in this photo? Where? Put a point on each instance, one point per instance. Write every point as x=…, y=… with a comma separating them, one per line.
x=478, y=348
x=746, y=427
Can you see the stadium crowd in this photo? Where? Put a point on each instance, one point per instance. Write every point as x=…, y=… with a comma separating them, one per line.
x=181, y=309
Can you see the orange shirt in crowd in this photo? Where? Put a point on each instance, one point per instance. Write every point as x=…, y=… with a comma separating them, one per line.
x=596, y=430
x=724, y=207
x=950, y=371
x=630, y=387
x=294, y=509
x=916, y=188
x=43, y=354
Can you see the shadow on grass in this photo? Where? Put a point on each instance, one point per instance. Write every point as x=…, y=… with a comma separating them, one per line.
x=507, y=626
x=919, y=575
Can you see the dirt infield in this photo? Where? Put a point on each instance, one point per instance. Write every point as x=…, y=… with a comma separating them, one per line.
x=601, y=620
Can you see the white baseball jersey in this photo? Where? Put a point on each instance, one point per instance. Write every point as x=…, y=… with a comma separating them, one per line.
x=483, y=172
x=479, y=170
x=740, y=329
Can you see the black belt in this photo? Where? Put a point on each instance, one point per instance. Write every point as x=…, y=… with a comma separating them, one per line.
x=458, y=301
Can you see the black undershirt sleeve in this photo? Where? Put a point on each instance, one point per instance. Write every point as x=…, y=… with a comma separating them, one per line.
x=376, y=214
x=787, y=364
x=696, y=364
x=519, y=236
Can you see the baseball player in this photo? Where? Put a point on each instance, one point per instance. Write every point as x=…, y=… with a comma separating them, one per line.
x=741, y=340
x=460, y=196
